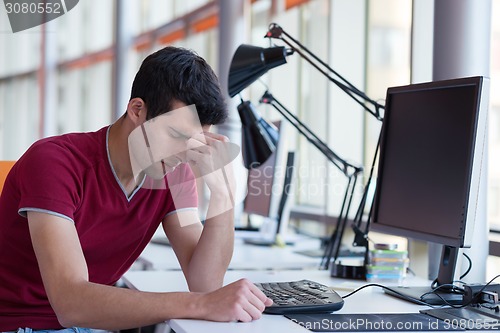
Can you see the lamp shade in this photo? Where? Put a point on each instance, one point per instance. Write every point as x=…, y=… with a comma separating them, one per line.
x=259, y=137
x=251, y=62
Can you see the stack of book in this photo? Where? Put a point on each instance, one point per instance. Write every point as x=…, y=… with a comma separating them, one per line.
x=387, y=266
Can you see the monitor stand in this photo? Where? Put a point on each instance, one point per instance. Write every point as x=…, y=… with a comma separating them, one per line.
x=425, y=294
x=442, y=296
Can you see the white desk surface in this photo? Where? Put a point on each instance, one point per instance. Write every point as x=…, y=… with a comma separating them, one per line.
x=162, y=257
x=370, y=300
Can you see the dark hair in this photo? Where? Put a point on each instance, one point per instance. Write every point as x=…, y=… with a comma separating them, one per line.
x=174, y=73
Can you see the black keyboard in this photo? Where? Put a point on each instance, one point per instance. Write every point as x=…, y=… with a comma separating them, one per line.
x=302, y=296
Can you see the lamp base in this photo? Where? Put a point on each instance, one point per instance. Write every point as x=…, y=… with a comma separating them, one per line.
x=355, y=272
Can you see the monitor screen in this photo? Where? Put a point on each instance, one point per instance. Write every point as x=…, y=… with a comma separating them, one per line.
x=429, y=172
x=264, y=183
x=425, y=186
x=268, y=190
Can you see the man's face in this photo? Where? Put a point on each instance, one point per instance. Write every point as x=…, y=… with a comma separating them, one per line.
x=159, y=145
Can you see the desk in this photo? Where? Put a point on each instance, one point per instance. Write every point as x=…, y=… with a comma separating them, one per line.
x=162, y=257
x=370, y=300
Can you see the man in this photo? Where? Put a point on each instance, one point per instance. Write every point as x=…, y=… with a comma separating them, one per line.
x=75, y=215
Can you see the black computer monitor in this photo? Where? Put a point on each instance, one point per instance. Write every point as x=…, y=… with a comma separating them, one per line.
x=264, y=183
x=429, y=169
x=268, y=189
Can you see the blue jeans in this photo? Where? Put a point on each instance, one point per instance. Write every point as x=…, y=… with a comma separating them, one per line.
x=64, y=330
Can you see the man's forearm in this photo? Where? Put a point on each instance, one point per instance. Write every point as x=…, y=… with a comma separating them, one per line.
x=215, y=247
x=110, y=308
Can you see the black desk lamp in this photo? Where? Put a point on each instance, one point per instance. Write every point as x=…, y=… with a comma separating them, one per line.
x=251, y=62
x=248, y=64
x=259, y=137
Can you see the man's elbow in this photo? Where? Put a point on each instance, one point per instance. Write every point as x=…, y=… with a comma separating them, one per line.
x=67, y=309
x=66, y=320
x=68, y=317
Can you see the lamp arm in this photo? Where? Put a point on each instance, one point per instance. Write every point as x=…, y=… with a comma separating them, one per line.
x=347, y=168
x=361, y=235
x=275, y=31
x=332, y=249
x=350, y=171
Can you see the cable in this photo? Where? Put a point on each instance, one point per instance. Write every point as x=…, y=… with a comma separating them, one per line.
x=450, y=287
x=482, y=289
x=435, y=282
x=408, y=298
x=411, y=271
x=469, y=302
x=420, y=301
x=470, y=266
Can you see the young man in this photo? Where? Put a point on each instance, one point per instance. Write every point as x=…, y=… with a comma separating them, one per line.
x=75, y=215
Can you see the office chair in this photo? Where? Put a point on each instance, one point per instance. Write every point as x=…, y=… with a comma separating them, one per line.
x=5, y=167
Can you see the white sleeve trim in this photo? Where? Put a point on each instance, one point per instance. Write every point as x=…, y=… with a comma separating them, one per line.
x=22, y=212
x=180, y=210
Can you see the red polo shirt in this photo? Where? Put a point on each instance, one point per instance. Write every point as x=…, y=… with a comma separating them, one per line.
x=71, y=176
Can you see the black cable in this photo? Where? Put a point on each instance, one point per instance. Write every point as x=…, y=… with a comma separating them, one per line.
x=411, y=271
x=408, y=298
x=450, y=287
x=469, y=302
x=481, y=290
x=359, y=214
x=419, y=301
x=434, y=283
x=470, y=266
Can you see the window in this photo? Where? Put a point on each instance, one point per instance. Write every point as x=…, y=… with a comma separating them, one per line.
x=19, y=116
x=370, y=46
x=84, y=98
x=494, y=122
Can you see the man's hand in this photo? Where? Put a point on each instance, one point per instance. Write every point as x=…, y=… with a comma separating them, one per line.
x=210, y=156
x=238, y=301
